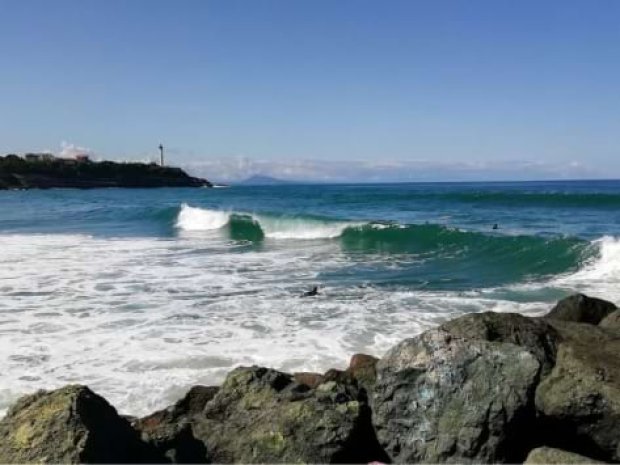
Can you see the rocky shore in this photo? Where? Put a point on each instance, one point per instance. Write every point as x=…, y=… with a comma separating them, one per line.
x=483, y=388
x=46, y=172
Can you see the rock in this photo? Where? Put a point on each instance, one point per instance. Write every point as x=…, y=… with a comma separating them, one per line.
x=548, y=455
x=69, y=425
x=361, y=370
x=440, y=398
x=580, y=400
x=364, y=369
x=170, y=430
x=310, y=379
x=580, y=308
x=611, y=321
x=533, y=334
x=262, y=415
x=339, y=376
x=194, y=401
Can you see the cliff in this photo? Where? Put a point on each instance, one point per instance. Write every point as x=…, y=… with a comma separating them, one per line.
x=45, y=172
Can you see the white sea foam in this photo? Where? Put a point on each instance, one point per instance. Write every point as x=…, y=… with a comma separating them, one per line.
x=200, y=219
x=601, y=275
x=141, y=320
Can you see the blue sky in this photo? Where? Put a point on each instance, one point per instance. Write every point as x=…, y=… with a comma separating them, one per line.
x=320, y=89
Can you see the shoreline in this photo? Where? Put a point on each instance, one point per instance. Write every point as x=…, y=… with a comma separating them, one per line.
x=484, y=387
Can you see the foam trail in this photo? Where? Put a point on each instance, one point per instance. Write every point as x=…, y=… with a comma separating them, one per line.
x=200, y=219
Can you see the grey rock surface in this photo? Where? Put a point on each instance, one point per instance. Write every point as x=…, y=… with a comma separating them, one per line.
x=440, y=398
x=580, y=308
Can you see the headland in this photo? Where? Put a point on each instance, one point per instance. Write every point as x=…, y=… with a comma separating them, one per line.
x=44, y=171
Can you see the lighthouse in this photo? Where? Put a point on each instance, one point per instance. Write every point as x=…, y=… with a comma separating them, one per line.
x=161, y=155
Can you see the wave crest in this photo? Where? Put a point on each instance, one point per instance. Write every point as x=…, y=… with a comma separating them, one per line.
x=602, y=270
x=200, y=219
x=252, y=226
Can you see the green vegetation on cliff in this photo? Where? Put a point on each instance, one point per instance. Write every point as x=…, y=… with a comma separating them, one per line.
x=44, y=172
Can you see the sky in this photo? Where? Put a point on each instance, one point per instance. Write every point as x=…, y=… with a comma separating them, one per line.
x=326, y=90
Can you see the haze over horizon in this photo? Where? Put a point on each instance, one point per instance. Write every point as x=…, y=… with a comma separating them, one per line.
x=352, y=90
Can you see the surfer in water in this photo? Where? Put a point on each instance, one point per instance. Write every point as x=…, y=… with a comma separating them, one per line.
x=495, y=226
x=311, y=293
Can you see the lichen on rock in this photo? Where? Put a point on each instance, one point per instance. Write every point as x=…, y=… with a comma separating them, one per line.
x=264, y=416
x=69, y=425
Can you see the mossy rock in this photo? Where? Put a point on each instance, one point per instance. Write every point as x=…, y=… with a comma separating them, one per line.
x=264, y=416
x=69, y=425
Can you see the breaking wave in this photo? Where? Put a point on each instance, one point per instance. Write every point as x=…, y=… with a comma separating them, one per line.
x=513, y=256
x=245, y=226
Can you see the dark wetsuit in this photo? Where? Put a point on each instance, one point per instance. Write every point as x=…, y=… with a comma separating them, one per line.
x=312, y=293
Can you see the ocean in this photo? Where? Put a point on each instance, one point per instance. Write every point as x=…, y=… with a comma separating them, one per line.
x=141, y=294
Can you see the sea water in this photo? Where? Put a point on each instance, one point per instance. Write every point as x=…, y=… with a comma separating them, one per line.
x=141, y=294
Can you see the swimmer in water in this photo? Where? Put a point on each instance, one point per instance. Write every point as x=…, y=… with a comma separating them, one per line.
x=312, y=293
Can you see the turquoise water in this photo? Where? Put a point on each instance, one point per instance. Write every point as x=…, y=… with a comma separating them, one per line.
x=128, y=288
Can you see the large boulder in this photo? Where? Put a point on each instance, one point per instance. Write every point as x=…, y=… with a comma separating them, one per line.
x=580, y=400
x=533, y=334
x=69, y=425
x=611, y=322
x=549, y=455
x=441, y=398
x=262, y=415
x=580, y=308
x=170, y=430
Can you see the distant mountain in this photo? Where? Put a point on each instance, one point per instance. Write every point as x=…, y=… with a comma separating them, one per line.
x=259, y=180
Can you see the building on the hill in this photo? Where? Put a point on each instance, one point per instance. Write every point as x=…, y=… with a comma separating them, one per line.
x=39, y=157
